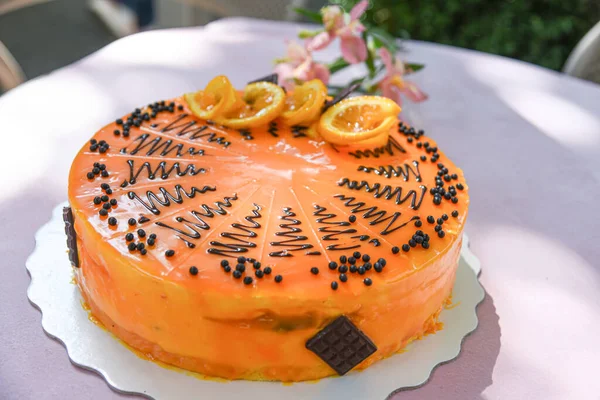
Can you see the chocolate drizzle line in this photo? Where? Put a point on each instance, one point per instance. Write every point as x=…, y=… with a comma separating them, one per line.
x=298, y=131
x=273, y=129
x=193, y=227
x=334, y=229
x=378, y=151
x=374, y=214
x=195, y=133
x=160, y=144
x=162, y=168
x=388, y=192
x=168, y=197
x=71, y=236
x=245, y=232
x=390, y=171
x=290, y=232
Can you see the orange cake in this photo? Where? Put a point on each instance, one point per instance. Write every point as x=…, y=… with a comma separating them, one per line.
x=254, y=236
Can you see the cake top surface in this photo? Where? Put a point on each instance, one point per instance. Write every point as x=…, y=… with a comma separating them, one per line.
x=267, y=209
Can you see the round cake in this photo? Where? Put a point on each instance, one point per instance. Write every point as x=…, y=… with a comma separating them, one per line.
x=262, y=253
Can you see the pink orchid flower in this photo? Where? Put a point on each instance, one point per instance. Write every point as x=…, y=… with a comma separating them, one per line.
x=299, y=66
x=393, y=83
x=347, y=28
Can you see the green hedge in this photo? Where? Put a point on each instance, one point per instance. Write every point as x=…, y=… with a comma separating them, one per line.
x=539, y=31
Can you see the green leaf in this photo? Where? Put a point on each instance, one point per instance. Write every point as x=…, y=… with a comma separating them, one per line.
x=383, y=39
x=370, y=61
x=314, y=16
x=414, y=67
x=304, y=34
x=337, y=65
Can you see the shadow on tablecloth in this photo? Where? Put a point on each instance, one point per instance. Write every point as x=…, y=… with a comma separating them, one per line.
x=468, y=375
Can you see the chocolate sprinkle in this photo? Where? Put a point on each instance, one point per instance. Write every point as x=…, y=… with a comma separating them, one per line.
x=341, y=345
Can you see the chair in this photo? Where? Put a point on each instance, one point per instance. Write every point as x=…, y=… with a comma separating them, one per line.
x=584, y=60
x=11, y=74
x=171, y=13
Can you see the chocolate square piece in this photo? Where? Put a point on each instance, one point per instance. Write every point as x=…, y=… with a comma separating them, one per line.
x=273, y=78
x=71, y=236
x=341, y=345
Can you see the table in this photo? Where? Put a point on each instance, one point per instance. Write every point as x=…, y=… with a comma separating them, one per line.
x=527, y=138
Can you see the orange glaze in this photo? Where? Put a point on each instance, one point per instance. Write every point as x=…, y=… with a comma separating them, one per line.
x=216, y=325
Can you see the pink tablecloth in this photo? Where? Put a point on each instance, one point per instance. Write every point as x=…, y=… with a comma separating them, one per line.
x=527, y=138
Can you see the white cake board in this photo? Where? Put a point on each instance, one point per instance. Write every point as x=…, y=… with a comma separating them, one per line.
x=93, y=348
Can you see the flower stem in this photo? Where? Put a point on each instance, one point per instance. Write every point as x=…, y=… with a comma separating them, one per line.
x=370, y=61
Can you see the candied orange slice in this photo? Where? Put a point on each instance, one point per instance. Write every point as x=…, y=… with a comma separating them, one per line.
x=217, y=97
x=305, y=103
x=358, y=119
x=261, y=103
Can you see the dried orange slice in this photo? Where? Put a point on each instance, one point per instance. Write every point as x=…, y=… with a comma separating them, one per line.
x=216, y=98
x=305, y=103
x=262, y=103
x=358, y=119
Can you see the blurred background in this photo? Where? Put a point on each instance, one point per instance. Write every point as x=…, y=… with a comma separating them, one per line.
x=38, y=36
